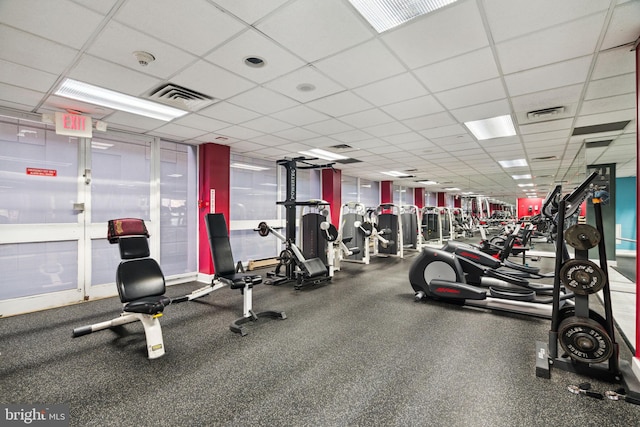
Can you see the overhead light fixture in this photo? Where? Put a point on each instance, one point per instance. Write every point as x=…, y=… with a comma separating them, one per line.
x=175, y=175
x=527, y=176
x=386, y=14
x=513, y=163
x=248, y=167
x=452, y=189
x=428, y=182
x=100, y=145
x=85, y=92
x=323, y=154
x=495, y=127
x=397, y=174
x=525, y=185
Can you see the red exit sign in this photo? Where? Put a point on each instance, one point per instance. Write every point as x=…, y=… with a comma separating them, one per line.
x=73, y=125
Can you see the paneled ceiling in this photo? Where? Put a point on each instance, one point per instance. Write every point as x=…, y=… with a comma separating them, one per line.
x=397, y=100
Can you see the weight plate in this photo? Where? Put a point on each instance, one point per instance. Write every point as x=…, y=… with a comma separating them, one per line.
x=582, y=236
x=263, y=229
x=286, y=257
x=582, y=276
x=585, y=340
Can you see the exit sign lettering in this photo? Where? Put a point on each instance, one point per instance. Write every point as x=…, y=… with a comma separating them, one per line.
x=73, y=125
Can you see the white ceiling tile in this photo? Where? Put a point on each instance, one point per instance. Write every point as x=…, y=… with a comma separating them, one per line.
x=315, y=29
x=263, y=101
x=366, y=118
x=193, y=25
x=442, y=34
x=557, y=97
x=239, y=132
x=250, y=10
x=551, y=125
x=360, y=65
x=351, y=136
x=116, y=43
x=246, y=146
x=571, y=40
x=300, y=115
x=297, y=134
x=328, y=127
x=482, y=111
x=267, y=124
x=271, y=141
x=394, y=89
x=454, y=72
x=133, y=121
x=508, y=18
x=472, y=94
x=542, y=137
x=623, y=27
x=33, y=51
x=27, y=97
x=612, y=103
x=340, y=104
x=387, y=129
x=288, y=85
x=108, y=75
x=177, y=132
x=613, y=63
x=609, y=117
x=368, y=143
x=617, y=85
x=58, y=103
x=415, y=107
x=201, y=122
x=18, y=75
x=430, y=121
x=212, y=80
x=62, y=21
x=404, y=138
x=229, y=113
x=277, y=60
x=548, y=77
x=444, y=131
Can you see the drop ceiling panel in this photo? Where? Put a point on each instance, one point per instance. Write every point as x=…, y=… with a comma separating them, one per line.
x=197, y=28
x=610, y=117
x=444, y=131
x=617, y=85
x=229, y=113
x=201, y=122
x=624, y=27
x=300, y=115
x=243, y=147
x=403, y=138
x=277, y=60
x=482, y=111
x=117, y=42
x=212, y=80
x=250, y=10
x=350, y=136
x=387, y=129
x=570, y=40
x=548, y=126
x=66, y=22
x=263, y=101
x=340, y=104
x=391, y=90
x=509, y=19
x=613, y=63
x=132, y=121
x=271, y=141
x=28, y=98
x=267, y=124
x=315, y=29
x=414, y=107
x=476, y=93
x=36, y=52
x=177, y=132
x=108, y=75
x=289, y=85
x=551, y=76
x=612, y=103
x=362, y=64
x=366, y=118
x=453, y=72
x=296, y=134
x=25, y=77
x=328, y=127
x=557, y=97
x=443, y=34
x=239, y=132
x=430, y=121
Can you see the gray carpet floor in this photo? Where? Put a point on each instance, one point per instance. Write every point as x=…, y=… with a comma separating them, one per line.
x=355, y=352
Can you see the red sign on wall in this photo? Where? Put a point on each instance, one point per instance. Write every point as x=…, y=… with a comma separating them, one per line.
x=42, y=172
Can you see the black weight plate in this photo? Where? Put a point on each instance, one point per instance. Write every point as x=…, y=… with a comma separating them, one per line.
x=582, y=276
x=263, y=229
x=585, y=340
x=582, y=236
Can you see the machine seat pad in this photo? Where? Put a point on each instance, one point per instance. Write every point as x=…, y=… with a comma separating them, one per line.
x=239, y=280
x=314, y=267
x=148, y=305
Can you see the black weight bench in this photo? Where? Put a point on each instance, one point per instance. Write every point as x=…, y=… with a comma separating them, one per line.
x=226, y=272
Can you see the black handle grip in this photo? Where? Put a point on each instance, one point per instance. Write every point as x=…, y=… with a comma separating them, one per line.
x=83, y=330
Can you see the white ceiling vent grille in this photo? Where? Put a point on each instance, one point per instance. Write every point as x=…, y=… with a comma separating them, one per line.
x=180, y=97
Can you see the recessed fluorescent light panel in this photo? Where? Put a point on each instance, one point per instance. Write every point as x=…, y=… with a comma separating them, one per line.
x=525, y=185
x=513, y=163
x=323, y=154
x=118, y=101
x=386, y=14
x=396, y=174
x=527, y=176
x=248, y=167
x=428, y=182
x=495, y=127
x=452, y=189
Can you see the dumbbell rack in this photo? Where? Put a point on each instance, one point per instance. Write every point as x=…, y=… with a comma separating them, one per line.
x=587, y=338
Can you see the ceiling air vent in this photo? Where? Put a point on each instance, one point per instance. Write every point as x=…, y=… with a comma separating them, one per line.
x=349, y=160
x=341, y=147
x=598, y=144
x=544, y=159
x=545, y=113
x=605, y=127
x=180, y=97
